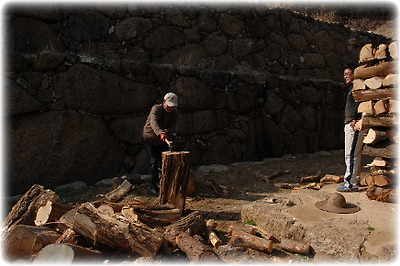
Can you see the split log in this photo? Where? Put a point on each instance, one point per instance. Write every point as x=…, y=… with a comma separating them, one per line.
x=313, y=185
x=129, y=214
x=287, y=185
x=366, y=95
x=174, y=178
x=374, y=82
x=66, y=253
x=374, y=136
x=378, y=180
x=26, y=209
x=366, y=107
x=358, y=84
x=25, y=240
x=381, y=52
x=390, y=80
x=106, y=209
x=393, y=104
x=192, y=223
x=98, y=227
x=294, y=246
x=243, y=239
x=381, y=106
x=381, y=194
x=392, y=135
x=68, y=237
x=193, y=248
x=120, y=192
x=381, y=69
x=394, y=53
x=331, y=179
x=367, y=53
x=383, y=149
x=382, y=171
x=257, y=231
x=157, y=215
x=380, y=162
x=211, y=235
x=275, y=174
x=312, y=178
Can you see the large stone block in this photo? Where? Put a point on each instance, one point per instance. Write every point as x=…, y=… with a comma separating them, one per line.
x=101, y=92
x=55, y=148
x=163, y=38
x=201, y=122
x=193, y=94
x=19, y=101
x=29, y=36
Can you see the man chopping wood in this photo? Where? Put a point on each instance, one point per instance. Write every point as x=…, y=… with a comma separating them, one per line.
x=353, y=138
x=156, y=134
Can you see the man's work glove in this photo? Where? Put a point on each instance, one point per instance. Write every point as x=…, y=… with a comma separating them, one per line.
x=163, y=136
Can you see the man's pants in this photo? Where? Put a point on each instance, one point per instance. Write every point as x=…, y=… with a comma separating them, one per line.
x=154, y=153
x=353, y=142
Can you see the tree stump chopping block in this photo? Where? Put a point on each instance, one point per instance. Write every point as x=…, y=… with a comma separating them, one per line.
x=174, y=178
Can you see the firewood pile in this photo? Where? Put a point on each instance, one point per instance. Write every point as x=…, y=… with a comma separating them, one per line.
x=375, y=85
x=40, y=229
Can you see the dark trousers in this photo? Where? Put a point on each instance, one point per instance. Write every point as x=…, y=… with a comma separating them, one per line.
x=154, y=154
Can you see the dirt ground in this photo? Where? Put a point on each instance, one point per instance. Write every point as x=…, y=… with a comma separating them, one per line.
x=222, y=190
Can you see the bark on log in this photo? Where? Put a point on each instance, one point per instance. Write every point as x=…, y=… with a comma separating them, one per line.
x=194, y=223
x=382, y=69
x=68, y=237
x=243, y=239
x=193, y=248
x=26, y=209
x=374, y=136
x=366, y=95
x=98, y=227
x=157, y=215
x=381, y=106
x=379, y=121
x=383, y=149
x=66, y=253
x=294, y=246
x=119, y=192
x=25, y=240
x=174, y=178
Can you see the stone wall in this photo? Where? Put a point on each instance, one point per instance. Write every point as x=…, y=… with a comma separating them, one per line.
x=252, y=83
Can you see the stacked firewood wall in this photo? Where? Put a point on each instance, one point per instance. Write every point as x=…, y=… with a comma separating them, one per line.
x=375, y=82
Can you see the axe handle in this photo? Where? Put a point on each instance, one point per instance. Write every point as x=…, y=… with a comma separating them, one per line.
x=169, y=144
